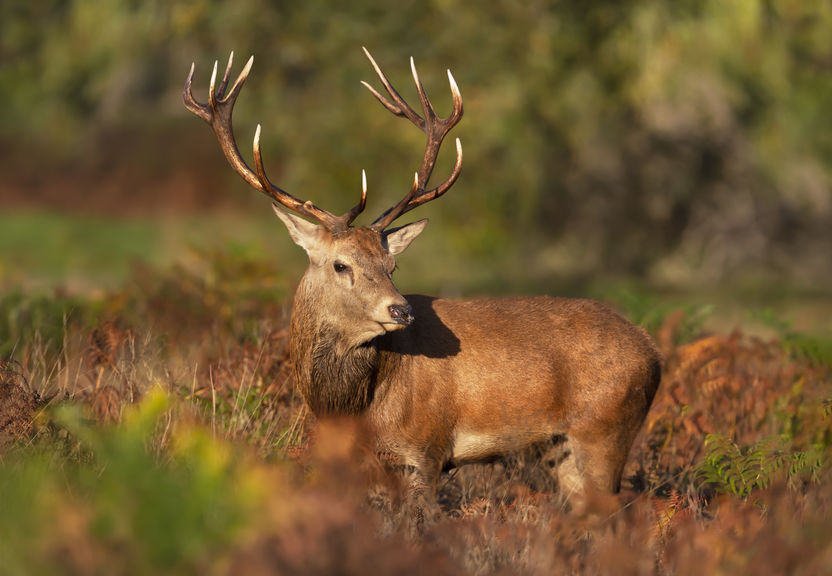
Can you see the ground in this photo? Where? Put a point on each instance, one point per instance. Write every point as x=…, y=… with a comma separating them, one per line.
x=158, y=429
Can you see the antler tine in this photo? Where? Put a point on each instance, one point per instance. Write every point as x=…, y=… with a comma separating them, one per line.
x=358, y=208
x=427, y=196
x=227, y=74
x=400, y=108
x=434, y=127
x=394, y=212
x=423, y=97
x=217, y=113
x=190, y=102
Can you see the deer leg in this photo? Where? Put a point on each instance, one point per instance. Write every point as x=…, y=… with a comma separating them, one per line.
x=569, y=474
x=591, y=474
x=603, y=464
x=588, y=468
x=421, y=496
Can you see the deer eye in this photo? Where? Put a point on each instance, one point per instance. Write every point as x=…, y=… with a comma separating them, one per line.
x=340, y=268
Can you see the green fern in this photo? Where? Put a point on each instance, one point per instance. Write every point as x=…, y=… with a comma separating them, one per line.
x=731, y=469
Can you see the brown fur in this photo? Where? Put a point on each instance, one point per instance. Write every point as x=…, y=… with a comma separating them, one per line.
x=471, y=381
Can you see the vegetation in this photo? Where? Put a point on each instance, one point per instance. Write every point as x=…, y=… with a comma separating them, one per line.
x=620, y=150
x=676, y=141
x=156, y=429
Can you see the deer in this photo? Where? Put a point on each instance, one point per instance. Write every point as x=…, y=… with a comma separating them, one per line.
x=441, y=383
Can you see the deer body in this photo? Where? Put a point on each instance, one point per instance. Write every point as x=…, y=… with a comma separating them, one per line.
x=509, y=373
x=473, y=381
x=441, y=382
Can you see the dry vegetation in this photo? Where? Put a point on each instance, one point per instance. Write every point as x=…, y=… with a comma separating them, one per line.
x=159, y=431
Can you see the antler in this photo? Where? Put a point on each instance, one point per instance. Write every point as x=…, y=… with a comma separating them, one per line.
x=435, y=129
x=218, y=113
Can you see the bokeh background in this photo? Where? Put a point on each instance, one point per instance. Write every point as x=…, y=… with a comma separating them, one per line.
x=671, y=158
x=644, y=146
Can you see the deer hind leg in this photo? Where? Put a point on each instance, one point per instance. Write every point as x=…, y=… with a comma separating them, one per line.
x=603, y=464
x=589, y=467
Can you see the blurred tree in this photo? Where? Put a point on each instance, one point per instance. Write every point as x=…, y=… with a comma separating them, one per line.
x=681, y=141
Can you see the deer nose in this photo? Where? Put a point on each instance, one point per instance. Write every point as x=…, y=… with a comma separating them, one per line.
x=401, y=314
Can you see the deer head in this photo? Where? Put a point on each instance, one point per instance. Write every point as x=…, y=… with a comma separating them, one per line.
x=350, y=272
x=350, y=268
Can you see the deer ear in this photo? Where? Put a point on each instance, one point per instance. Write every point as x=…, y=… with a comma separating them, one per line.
x=304, y=233
x=398, y=239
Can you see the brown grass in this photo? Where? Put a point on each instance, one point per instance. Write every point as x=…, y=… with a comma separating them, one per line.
x=333, y=508
x=18, y=404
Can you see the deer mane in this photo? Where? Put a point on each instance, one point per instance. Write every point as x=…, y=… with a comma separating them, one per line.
x=334, y=378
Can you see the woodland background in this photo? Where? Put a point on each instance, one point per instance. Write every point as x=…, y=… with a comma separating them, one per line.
x=680, y=143
x=673, y=159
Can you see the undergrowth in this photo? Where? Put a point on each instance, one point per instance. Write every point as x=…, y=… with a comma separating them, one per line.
x=158, y=430
x=741, y=471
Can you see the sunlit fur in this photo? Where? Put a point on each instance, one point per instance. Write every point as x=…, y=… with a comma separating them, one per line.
x=469, y=381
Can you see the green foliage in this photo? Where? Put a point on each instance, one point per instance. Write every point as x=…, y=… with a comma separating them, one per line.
x=82, y=250
x=152, y=510
x=25, y=318
x=675, y=140
x=646, y=310
x=227, y=287
x=738, y=471
x=814, y=348
x=230, y=289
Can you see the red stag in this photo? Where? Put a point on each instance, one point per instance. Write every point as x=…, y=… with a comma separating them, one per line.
x=440, y=382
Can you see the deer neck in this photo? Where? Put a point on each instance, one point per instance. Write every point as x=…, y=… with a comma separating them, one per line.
x=335, y=377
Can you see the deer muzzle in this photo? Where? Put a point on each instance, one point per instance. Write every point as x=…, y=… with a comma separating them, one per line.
x=401, y=314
